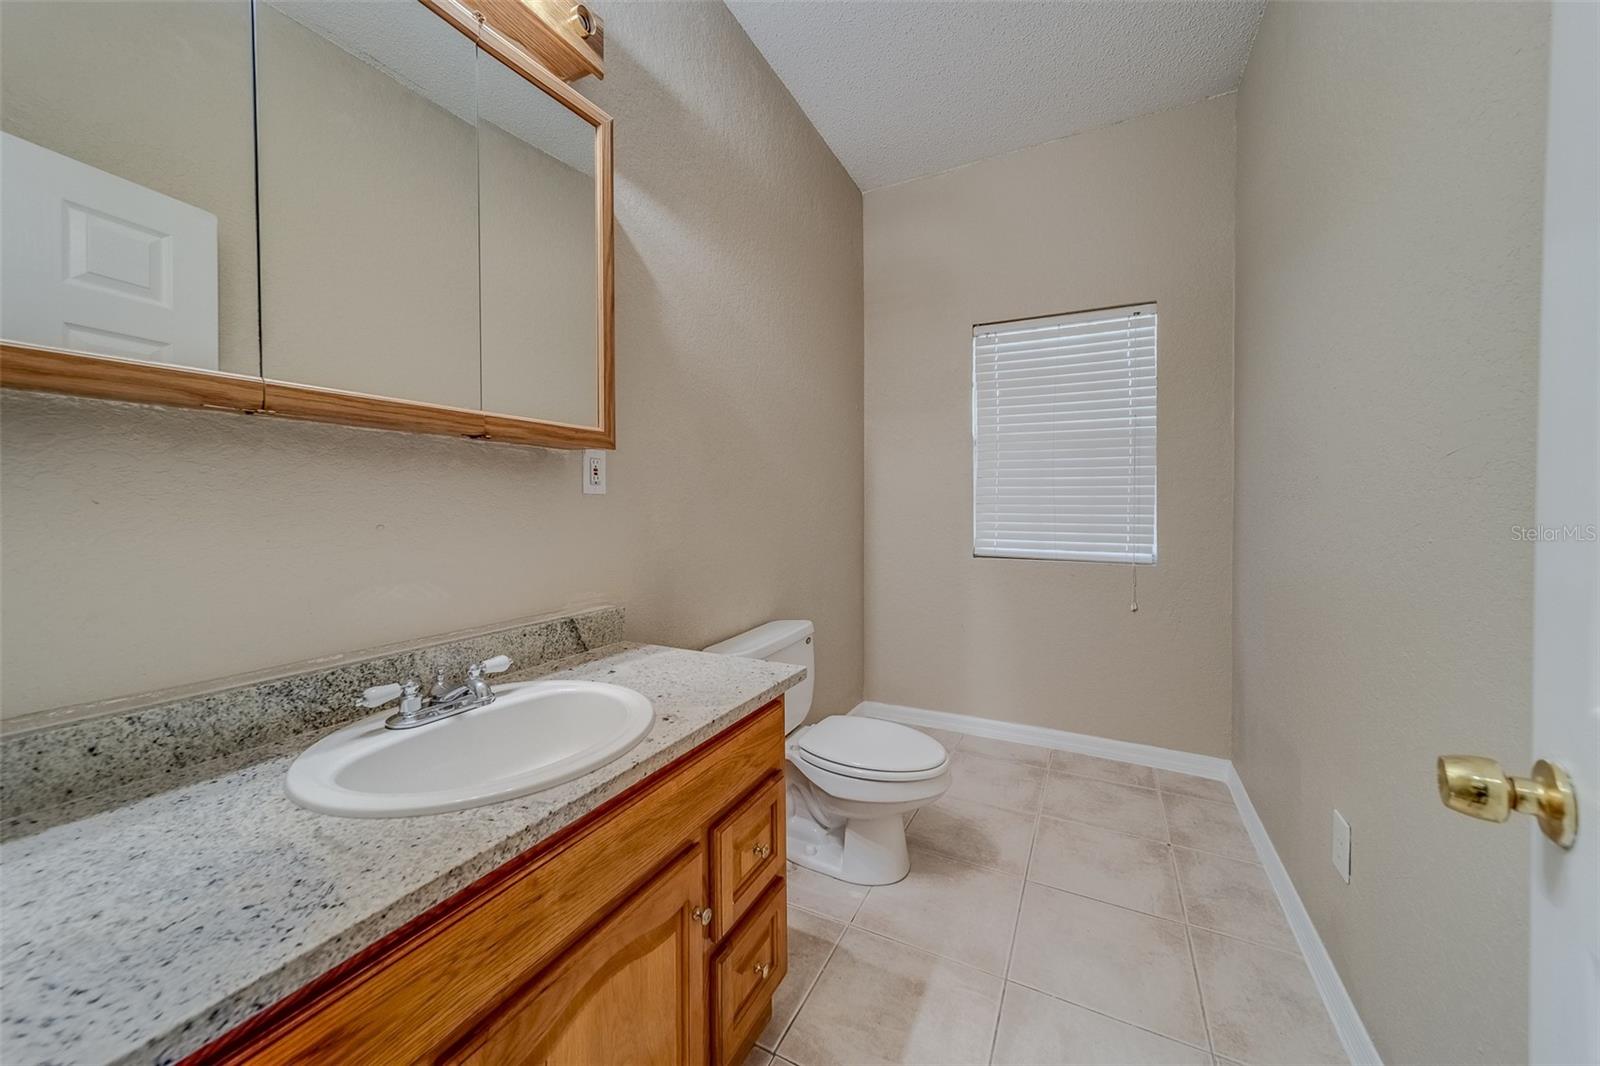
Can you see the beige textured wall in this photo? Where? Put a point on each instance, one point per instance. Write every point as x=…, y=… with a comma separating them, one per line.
x=158, y=93
x=142, y=547
x=1390, y=161
x=1134, y=212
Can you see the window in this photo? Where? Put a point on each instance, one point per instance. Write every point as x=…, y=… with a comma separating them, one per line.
x=1064, y=437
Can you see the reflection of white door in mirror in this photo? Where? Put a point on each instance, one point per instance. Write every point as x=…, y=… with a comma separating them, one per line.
x=96, y=263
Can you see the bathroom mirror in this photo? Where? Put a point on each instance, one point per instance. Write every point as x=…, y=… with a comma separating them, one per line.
x=127, y=172
x=540, y=292
x=367, y=137
x=431, y=225
x=375, y=212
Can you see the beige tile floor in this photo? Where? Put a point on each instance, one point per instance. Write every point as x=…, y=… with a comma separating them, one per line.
x=1060, y=909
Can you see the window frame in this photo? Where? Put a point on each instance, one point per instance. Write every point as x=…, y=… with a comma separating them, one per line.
x=1115, y=311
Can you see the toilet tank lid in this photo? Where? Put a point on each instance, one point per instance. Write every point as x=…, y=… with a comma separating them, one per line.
x=764, y=640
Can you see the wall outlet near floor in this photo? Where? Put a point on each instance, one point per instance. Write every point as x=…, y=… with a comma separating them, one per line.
x=1341, y=846
x=594, y=473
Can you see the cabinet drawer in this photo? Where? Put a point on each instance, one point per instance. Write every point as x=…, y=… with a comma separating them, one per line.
x=747, y=854
x=747, y=973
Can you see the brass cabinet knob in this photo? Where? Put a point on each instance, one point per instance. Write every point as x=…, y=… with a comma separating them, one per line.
x=702, y=915
x=763, y=969
x=1474, y=785
x=762, y=850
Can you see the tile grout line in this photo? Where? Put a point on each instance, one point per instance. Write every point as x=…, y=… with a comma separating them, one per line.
x=1236, y=938
x=1207, y=851
x=1200, y=993
x=836, y=919
x=1194, y=963
x=965, y=862
x=1110, y=829
x=1096, y=1010
x=959, y=862
x=1108, y=903
x=939, y=955
x=1006, y=762
x=1216, y=855
x=1016, y=924
x=934, y=849
x=1051, y=767
x=1183, y=901
x=818, y=914
x=1166, y=823
x=924, y=951
x=811, y=987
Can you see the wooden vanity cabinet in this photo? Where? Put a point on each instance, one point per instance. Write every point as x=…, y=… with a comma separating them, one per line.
x=653, y=930
x=629, y=991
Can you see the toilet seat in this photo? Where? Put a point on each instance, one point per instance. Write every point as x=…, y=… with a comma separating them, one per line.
x=869, y=749
x=858, y=774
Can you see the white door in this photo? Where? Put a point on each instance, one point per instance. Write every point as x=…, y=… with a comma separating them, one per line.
x=1564, y=964
x=96, y=263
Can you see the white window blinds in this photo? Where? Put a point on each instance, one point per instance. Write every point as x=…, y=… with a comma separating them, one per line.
x=1064, y=437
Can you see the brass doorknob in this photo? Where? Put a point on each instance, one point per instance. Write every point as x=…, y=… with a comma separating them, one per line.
x=1474, y=785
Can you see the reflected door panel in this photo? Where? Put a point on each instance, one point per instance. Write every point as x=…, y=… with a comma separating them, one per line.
x=96, y=263
x=127, y=167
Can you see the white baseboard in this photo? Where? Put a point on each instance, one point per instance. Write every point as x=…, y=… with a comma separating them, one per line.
x=1183, y=762
x=1341, y=1009
x=1358, y=1045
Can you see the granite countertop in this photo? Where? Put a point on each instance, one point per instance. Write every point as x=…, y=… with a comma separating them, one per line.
x=141, y=933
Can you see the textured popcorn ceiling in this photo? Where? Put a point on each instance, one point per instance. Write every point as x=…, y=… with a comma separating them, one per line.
x=904, y=88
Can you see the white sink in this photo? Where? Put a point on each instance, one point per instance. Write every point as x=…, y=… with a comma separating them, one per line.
x=535, y=734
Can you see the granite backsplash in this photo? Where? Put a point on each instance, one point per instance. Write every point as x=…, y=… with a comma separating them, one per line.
x=55, y=771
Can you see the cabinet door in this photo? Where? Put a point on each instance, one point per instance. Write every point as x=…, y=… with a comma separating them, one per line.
x=631, y=990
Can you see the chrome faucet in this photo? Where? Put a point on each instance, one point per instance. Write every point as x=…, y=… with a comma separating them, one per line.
x=440, y=691
x=477, y=684
x=442, y=701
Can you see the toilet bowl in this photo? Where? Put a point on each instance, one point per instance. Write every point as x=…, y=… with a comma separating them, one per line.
x=850, y=781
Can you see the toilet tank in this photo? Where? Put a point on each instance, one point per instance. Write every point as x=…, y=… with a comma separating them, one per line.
x=787, y=641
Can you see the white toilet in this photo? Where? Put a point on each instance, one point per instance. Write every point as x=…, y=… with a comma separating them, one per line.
x=851, y=781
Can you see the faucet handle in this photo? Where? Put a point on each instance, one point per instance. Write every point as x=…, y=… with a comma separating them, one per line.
x=497, y=665
x=378, y=695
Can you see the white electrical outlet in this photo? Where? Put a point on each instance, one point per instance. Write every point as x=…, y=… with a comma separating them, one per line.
x=1341, y=846
x=594, y=473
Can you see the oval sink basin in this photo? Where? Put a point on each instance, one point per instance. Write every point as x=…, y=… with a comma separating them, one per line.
x=535, y=734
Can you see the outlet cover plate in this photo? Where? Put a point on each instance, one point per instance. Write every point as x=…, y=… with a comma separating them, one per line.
x=1341, y=846
x=594, y=472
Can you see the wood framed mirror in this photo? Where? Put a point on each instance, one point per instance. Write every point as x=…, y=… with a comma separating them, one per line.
x=382, y=213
